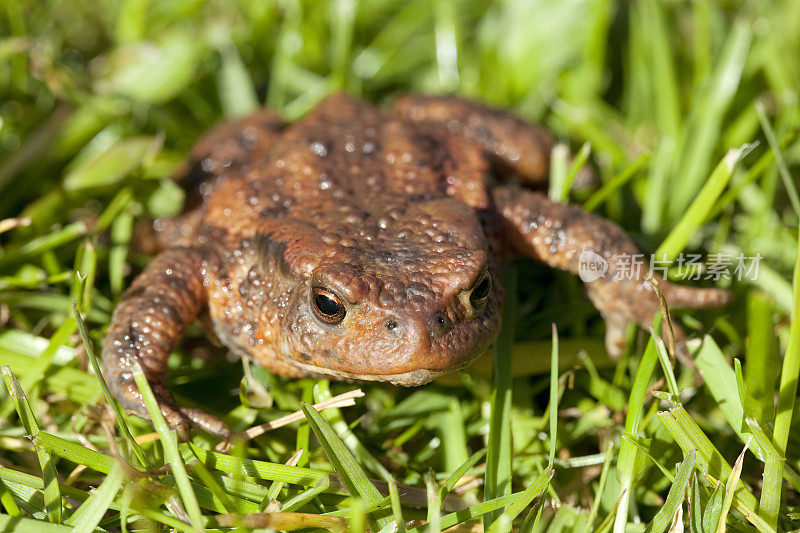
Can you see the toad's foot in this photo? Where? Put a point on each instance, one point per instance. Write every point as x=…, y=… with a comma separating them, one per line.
x=180, y=419
x=566, y=237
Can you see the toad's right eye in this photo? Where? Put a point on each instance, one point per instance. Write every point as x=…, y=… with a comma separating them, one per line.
x=327, y=305
x=481, y=291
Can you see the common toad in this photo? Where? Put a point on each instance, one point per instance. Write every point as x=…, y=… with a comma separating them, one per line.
x=361, y=243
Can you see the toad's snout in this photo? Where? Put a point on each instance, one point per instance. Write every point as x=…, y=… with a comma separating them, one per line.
x=432, y=326
x=422, y=341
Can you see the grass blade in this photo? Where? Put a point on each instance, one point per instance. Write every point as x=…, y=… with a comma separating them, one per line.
x=695, y=214
x=730, y=487
x=89, y=514
x=126, y=432
x=52, y=492
x=397, y=510
x=674, y=500
x=504, y=521
x=685, y=431
x=169, y=441
x=788, y=183
x=458, y=473
x=627, y=451
x=790, y=369
x=553, y=395
x=615, y=183
x=497, y=480
x=345, y=464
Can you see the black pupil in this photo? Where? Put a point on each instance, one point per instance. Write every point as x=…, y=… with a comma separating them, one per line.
x=327, y=305
x=481, y=291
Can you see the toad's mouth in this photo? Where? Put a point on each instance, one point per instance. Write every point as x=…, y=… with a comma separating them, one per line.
x=412, y=378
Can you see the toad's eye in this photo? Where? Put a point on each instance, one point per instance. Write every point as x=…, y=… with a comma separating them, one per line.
x=327, y=305
x=481, y=291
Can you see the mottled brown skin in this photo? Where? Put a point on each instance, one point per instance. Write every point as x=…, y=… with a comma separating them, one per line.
x=403, y=215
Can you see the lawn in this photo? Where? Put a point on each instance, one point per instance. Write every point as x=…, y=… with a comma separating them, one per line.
x=687, y=111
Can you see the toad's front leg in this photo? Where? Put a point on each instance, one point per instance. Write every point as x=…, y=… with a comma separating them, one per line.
x=558, y=234
x=147, y=325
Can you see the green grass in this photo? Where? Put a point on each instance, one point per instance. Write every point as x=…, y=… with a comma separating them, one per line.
x=101, y=101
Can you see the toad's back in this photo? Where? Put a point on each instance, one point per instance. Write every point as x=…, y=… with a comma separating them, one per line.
x=346, y=177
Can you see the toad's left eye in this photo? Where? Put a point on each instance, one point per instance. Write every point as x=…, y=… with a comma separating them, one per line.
x=327, y=305
x=481, y=291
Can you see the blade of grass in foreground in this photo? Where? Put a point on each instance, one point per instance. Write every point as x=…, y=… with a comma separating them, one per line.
x=787, y=390
x=88, y=515
x=27, y=525
x=598, y=495
x=537, y=487
x=87, y=344
x=497, y=480
x=615, y=183
x=730, y=489
x=7, y=501
x=397, y=509
x=258, y=469
x=75, y=452
x=721, y=382
x=345, y=464
x=791, y=188
x=169, y=442
x=664, y=516
x=627, y=451
x=789, y=473
x=31, y=378
x=52, y=493
x=705, y=118
x=687, y=434
x=762, y=362
x=449, y=520
x=696, y=213
x=458, y=473
x=434, y=504
x=553, y=395
x=333, y=415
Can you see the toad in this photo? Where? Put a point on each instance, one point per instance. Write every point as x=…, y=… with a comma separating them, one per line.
x=362, y=243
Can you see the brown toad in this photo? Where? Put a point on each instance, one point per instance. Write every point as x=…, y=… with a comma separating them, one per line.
x=361, y=243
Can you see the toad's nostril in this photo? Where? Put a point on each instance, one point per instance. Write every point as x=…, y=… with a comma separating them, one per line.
x=391, y=325
x=439, y=324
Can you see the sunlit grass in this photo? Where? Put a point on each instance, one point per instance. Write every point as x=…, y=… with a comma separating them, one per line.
x=100, y=103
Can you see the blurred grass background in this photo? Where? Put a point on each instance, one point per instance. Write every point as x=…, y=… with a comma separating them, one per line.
x=100, y=101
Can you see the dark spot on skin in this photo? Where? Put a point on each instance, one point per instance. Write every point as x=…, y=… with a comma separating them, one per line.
x=244, y=288
x=169, y=311
x=174, y=283
x=304, y=356
x=271, y=254
x=135, y=292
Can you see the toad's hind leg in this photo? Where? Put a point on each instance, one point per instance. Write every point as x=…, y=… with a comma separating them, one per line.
x=558, y=234
x=224, y=149
x=217, y=156
x=147, y=325
x=509, y=141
